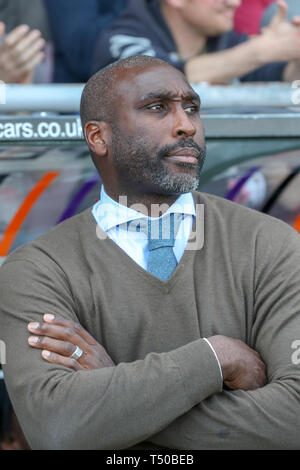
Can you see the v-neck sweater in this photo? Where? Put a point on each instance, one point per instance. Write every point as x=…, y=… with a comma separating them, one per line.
x=166, y=389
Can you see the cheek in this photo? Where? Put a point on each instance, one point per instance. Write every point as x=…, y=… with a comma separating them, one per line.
x=200, y=132
x=211, y=16
x=152, y=133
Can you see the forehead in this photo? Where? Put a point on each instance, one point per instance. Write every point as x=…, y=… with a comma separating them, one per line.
x=135, y=84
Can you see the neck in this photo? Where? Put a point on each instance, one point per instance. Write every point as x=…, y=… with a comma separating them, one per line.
x=189, y=40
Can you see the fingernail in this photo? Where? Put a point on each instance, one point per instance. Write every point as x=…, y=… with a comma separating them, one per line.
x=34, y=326
x=46, y=353
x=24, y=28
x=49, y=317
x=33, y=339
x=40, y=43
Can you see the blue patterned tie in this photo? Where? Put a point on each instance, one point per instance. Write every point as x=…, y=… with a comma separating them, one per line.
x=161, y=236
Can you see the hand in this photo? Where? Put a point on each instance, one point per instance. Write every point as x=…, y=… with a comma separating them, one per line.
x=58, y=338
x=242, y=367
x=280, y=41
x=20, y=53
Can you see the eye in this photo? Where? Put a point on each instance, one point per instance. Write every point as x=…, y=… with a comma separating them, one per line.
x=192, y=109
x=156, y=107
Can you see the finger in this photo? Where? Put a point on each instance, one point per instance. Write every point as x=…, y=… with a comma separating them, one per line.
x=16, y=35
x=11, y=73
x=30, y=53
x=296, y=21
x=59, y=332
x=281, y=13
x=64, y=348
x=57, y=320
x=282, y=9
x=61, y=360
x=27, y=43
x=31, y=64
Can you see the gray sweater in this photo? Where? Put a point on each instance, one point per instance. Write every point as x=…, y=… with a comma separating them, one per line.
x=165, y=390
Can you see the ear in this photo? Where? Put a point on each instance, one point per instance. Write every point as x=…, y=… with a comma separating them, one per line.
x=97, y=134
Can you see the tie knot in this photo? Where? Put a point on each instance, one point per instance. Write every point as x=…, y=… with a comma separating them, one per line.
x=160, y=232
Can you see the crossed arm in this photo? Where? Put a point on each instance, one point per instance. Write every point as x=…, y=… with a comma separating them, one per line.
x=242, y=368
x=172, y=399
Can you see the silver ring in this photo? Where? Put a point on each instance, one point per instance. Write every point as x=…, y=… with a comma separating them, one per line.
x=77, y=353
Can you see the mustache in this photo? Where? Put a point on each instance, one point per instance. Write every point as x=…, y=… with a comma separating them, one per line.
x=167, y=149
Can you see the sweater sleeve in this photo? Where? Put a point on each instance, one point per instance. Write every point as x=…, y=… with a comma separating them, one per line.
x=110, y=408
x=269, y=417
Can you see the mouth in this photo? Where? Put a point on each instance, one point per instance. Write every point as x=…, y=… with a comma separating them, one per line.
x=184, y=155
x=229, y=13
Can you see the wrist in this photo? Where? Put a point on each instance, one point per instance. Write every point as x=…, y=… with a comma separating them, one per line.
x=216, y=356
x=221, y=347
x=260, y=50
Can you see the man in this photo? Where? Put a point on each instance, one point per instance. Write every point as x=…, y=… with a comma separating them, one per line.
x=153, y=341
x=196, y=37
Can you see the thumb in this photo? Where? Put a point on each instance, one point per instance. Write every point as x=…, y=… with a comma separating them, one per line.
x=281, y=12
x=296, y=21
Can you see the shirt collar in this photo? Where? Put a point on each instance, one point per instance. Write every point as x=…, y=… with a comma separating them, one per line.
x=109, y=213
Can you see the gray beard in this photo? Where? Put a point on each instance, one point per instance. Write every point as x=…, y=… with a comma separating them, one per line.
x=149, y=170
x=178, y=184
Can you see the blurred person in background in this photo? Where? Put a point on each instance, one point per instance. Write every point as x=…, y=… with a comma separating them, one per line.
x=248, y=16
x=25, y=47
x=75, y=26
x=197, y=37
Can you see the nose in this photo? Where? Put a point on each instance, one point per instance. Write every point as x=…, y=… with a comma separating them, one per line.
x=183, y=126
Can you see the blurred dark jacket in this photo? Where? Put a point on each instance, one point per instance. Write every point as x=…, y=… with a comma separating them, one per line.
x=75, y=26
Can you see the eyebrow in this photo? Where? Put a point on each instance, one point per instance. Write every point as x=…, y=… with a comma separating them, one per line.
x=167, y=95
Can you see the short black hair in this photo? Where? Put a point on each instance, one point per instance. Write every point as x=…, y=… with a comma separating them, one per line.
x=97, y=102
